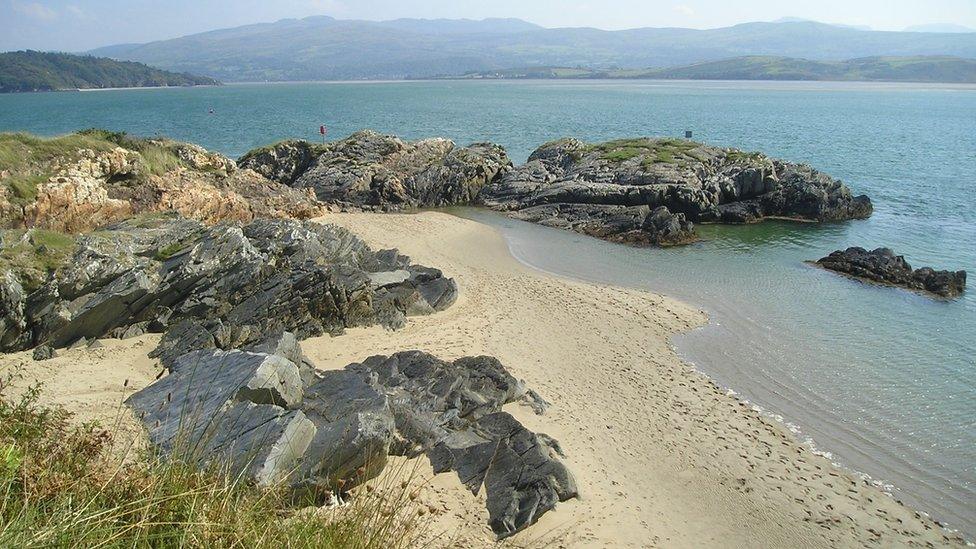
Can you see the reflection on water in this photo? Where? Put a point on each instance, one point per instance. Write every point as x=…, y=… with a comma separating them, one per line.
x=880, y=378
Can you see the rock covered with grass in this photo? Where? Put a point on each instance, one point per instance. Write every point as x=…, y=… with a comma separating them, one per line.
x=77, y=182
x=372, y=170
x=147, y=273
x=598, y=189
x=884, y=267
x=266, y=414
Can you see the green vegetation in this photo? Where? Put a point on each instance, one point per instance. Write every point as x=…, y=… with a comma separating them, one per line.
x=736, y=155
x=26, y=161
x=68, y=485
x=890, y=69
x=25, y=71
x=33, y=254
x=651, y=151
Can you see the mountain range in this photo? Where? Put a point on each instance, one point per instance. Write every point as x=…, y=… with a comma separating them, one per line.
x=324, y=48
x=943, y=69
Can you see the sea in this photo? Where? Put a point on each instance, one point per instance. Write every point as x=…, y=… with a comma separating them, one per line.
x=880, y=380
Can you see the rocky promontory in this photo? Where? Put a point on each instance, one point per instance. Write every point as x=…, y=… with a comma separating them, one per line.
x=652, y=190
x=641, y=191
x=147, y=273
x=882, y=266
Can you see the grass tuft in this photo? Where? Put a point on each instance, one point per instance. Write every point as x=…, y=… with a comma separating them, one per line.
x=65, y=485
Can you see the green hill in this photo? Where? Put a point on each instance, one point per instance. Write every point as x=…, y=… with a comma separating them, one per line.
x=943, y=69
x=892, y=69
x=26, y=71
x=323, y=48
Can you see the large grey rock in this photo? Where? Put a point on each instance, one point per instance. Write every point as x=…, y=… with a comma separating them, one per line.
x=382, y=171
x=229, y=408
x=431, y=398
x=522, y=478
x=606, y=189
x=884, y=267
x=354, y=427
x=257, y=416
x=267, y=276
x=282, y=162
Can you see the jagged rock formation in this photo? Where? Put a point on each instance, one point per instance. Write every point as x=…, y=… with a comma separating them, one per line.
x=144, y=274
x=641, y=191
x=616, y=190
x=268, y=415
x=884, y=267
x=368, y=169
x=80, y=182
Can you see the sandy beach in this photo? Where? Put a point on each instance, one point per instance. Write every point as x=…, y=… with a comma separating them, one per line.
x=662, y=456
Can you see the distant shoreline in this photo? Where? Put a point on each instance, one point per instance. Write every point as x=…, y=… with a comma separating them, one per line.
x=79, y=90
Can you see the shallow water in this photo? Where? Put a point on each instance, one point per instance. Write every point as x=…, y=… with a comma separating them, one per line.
x=884, y=380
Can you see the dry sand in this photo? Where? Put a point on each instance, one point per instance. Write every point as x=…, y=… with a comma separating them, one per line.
x=662, y=456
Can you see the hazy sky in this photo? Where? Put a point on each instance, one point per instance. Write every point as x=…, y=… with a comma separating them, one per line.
x=74, y=25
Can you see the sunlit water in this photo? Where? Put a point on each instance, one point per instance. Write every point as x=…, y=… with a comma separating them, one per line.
x=884, y=380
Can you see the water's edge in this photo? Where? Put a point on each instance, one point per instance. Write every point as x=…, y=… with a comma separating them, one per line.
x=683, y=344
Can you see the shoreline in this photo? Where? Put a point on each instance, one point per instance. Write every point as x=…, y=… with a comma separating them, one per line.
x=773, y=470
x=663, y=456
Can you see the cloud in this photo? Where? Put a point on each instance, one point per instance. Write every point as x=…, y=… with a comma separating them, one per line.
x=687, y=11
x=76, y=11
x=35, y=10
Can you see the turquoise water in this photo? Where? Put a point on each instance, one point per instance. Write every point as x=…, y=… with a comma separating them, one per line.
x=883, y=380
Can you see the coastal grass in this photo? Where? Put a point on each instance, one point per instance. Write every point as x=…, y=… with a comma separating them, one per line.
x=64, y=484
x=650, y=151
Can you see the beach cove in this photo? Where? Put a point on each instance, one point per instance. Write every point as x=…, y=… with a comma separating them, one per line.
x=662, y=455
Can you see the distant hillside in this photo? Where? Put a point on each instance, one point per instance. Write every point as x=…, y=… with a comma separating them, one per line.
x=939, y=27
x=26, y=71
x=892, y=69
x=888, y=69
x=323, y=48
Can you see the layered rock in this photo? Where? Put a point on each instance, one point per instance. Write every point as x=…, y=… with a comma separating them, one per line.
x=147, y=273
x=259, y=416
x=80, y=189
x=595, y=188
x=884, y=267
x=369, y=169
x=641, y=191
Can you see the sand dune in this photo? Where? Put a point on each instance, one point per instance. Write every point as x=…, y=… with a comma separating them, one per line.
x=662, y=456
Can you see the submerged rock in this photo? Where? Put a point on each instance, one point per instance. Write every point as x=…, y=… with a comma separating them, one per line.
x=595, y=188
x=148, y=273
x=255, y=414
x=883, y=266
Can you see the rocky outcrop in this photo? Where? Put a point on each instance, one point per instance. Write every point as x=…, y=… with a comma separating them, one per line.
x=76, y=198
x=884, y=267
x=257, y=414
x=627, y=224
x=640, y=191
x=283, y=162
x=82, y=189
x=372, y=170
x=145, y=274
x=595, y=188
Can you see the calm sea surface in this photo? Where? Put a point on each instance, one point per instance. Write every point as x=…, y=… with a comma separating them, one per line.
x=883, y=380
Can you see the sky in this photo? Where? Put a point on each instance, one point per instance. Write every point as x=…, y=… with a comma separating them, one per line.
x=79, y=25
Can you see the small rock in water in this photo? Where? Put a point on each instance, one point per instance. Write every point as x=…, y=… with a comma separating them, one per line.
x=884, y=267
